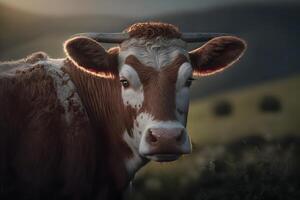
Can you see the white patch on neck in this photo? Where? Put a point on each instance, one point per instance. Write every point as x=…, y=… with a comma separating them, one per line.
x=139, y=125
x=136, y=162
x=134, y=95
x=156, y=53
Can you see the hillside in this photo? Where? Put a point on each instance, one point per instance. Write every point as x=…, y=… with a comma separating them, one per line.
x=23, y=33
x=271, y=31
x=248, y=154
x=246, y=119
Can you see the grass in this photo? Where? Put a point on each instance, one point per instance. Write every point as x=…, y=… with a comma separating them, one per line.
x=252, y=168
x=246, y=155
x=247, y=118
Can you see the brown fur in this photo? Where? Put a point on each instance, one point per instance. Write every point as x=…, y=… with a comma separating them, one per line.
x=101, y=96
x=89, y=54
x=44, y=157
x=151, y=30
x=131, y=114
x=159, y=87
x=216, y=54
x=102, y=99
x=32, y=152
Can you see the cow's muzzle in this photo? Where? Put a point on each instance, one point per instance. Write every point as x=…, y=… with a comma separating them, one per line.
x=165, y=144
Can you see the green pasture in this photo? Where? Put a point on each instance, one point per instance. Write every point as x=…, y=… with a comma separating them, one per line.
x=248, y=154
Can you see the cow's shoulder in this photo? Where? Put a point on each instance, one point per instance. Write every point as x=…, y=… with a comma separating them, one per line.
x=66, y=91
x=37, y=84
x=39, y=104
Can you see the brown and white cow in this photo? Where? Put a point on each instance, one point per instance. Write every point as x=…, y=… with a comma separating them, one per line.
x=80, y=127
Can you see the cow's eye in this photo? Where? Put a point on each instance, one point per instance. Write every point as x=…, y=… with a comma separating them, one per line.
x=189, y=82
x=124, y=83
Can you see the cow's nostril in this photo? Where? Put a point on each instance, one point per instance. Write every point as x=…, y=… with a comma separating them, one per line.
x=151, y=137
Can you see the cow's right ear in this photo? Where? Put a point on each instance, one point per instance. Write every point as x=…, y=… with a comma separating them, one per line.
x=88, y=55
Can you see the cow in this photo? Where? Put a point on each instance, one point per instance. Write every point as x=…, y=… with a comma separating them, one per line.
x=82, y=126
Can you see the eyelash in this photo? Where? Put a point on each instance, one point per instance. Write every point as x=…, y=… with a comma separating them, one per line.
x=125, y=83
x=189, y=82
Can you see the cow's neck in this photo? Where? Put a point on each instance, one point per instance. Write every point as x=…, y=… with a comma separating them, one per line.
x=102, y=101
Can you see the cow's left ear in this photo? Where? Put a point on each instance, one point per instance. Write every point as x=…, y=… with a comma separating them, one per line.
x=216, y=55
x=88, y=55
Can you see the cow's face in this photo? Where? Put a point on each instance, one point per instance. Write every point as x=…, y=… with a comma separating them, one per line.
x=155, y=77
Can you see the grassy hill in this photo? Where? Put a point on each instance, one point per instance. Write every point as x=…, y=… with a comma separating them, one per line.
x=246, y=117
x=270, y=29
x=246, y=120
x=23, y=32
x=205, y=128
x=248, y=154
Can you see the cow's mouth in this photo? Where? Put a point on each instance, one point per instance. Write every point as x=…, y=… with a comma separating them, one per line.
x=163, y=157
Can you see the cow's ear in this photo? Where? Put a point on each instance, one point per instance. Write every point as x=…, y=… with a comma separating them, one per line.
x=88, y=55
x=216, y=55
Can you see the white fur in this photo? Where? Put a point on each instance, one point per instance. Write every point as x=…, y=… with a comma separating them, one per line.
x=65, y=88
x=138, y=143
x=184, y=73
x=182, y=92
x=156, y=53
x=148, y=122
x=136, y=162
x=182, y=104
x=134, y=95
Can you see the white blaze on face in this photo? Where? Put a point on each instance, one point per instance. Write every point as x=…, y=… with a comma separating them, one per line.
x=134, y=95
x=155, y=53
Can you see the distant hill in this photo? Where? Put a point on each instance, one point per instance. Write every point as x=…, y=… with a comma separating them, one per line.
x=246, y=117
x=231, y=147
x=23, y=32
x=272, y=33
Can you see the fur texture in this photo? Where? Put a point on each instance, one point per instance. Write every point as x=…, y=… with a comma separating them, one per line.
x=71, y=129
x=151, y=30
x=49, y=147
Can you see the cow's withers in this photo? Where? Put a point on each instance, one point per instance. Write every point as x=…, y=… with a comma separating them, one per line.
x=154, y=71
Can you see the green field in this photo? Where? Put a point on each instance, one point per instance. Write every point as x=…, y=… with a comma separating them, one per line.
x=245, y=155
x=247, y=118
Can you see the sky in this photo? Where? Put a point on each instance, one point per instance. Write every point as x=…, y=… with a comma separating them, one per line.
x=121, y=7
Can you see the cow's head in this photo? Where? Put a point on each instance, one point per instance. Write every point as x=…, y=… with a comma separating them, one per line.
x=155, y=72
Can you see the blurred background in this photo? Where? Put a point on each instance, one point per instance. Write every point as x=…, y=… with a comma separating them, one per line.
x=244, y=122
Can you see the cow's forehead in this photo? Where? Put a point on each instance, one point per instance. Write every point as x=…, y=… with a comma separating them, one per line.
x=156, y=53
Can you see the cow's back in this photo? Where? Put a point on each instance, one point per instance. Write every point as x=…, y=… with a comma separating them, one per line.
x=47, y=146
